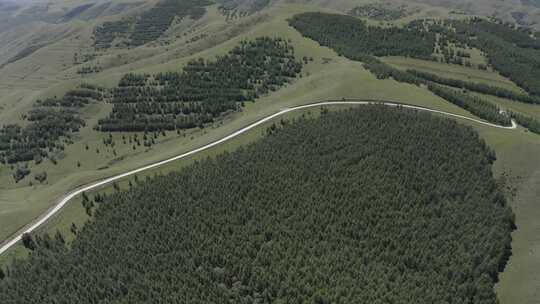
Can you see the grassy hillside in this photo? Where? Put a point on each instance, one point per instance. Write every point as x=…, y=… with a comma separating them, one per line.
x=67, y=46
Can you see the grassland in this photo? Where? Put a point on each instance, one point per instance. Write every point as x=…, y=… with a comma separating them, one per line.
x=453, y=71
x=328, y=76
x=316, y=83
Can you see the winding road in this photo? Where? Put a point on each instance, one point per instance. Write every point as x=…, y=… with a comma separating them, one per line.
x=349, y=101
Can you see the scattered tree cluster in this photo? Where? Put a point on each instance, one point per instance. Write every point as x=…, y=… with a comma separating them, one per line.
x=203, y=90
x=352, y=37
x=512, y=51
x=154, y=22
x=448, y=49
x=46, y=126
x=105, y=34
x=372, y=205
x=149, y=25
x=20, y=172
x=80, y=58
x=232, y=13
x=379, y=12
x=49, y=126
x=75, y=98
x=234, y=9
x=450, y=55
x=89, y=69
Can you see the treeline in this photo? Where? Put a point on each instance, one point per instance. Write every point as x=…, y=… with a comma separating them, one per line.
x=352, y=37
x=511, y=51
x=382, y=70
x=520, y=36
x=476, y=87
x=203, y=90
x=326, y=210
x=75, y=98
x=51, y=122
x=526, y=121
x=89, y=69
x=150, y=25
x=478, y=107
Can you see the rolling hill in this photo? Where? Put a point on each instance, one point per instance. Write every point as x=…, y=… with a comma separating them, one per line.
x=90, y=89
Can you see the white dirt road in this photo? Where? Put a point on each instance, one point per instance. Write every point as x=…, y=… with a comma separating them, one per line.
x=66, y=198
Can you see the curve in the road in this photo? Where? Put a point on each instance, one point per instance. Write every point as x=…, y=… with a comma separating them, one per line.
x=64, y=200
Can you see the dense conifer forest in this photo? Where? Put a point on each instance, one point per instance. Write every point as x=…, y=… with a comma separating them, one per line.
x=367, y=205
x=203, y=90
x=352, y=37
x=514, y=52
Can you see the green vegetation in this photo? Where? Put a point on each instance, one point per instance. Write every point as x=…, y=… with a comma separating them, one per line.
x=528, y=122
x=203, y=90
x=27, y=51
x=453, y=71
x=154, y=22
x=89, y=69
x=241, y=228
x=236, y=9
x=22, y=83
x=511, y=51
x=476, y=87
x=476, y=105
x=324, y=28
x=353, y=38
x=378, y=12
x=232, y=13
x=514, y=52
x=479, y=107
x=50, y=124
x=150, y=25
x=75, y=12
